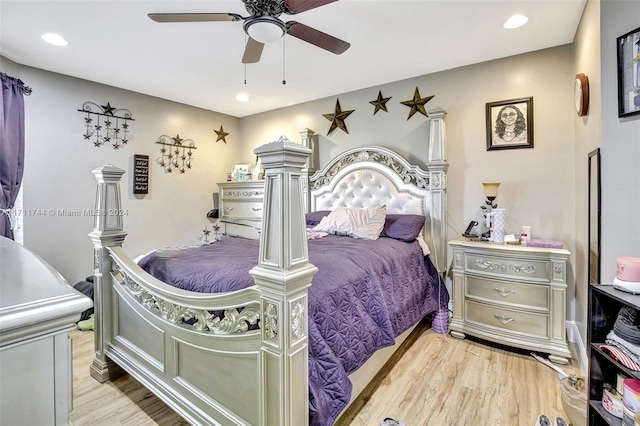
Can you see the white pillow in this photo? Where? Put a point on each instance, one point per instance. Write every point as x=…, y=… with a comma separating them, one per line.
x=366, y=223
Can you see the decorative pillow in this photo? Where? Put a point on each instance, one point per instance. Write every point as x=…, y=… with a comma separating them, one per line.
x=314, y=218
x=366, y=223
x=403, y=227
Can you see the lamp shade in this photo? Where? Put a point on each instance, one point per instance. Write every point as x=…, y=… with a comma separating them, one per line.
x=490, y=189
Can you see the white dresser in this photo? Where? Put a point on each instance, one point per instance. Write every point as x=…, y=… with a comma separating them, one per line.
x=37, y=310
x=511, y=294
x=241, y=207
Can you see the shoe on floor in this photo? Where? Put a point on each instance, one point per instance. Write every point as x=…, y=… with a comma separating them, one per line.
x=86, y=325
x=391, y=422
x=561, y=422
x=543, y=420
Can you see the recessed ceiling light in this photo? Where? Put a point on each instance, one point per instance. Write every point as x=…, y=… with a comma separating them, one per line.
x=242, y=97
x=516, y=21
x=54, y=39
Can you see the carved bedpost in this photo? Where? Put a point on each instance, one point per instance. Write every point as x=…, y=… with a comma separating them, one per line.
x=107, y=232
x=310, y=166
x=283, y=275
x=437, y=166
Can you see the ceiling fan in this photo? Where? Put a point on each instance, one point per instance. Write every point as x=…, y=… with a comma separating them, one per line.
x=263, y=25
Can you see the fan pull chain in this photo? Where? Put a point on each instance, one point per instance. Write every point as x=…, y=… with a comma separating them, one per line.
x=284, y=81
x=245, y=64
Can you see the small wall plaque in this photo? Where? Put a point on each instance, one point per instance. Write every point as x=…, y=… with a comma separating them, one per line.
x=140, y=174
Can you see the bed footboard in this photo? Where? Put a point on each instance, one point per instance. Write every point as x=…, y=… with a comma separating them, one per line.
x=212, y=368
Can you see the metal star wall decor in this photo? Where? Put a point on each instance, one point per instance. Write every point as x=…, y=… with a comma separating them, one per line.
x=380, y=103
x=417, y=104
x=105, y=124
x=176, y=153
x=221, y=135
x=337, y=118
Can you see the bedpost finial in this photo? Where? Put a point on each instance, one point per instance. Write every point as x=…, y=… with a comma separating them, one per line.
x=306, y=133
x=108, y=172
x=437, y=112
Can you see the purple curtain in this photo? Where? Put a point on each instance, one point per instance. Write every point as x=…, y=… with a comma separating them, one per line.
x=11, y=147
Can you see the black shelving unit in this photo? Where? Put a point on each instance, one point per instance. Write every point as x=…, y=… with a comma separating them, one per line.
x=604, y=304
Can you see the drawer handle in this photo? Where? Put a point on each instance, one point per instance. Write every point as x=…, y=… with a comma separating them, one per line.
x=504, y=320
x=256, y=209
x=229, y=209
x=504, y=293
x=485, y=264
x=523, y=269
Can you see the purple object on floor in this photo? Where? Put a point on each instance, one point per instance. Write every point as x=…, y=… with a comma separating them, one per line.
x=440, y=323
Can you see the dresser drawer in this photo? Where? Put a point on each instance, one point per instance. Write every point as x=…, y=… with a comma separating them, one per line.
x=495, y=266
x=240, y=193
x=241, y=210
x=530, y=296
x=507, y=319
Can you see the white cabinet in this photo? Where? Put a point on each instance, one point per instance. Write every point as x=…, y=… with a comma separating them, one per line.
x=37, y=310
x=241, y=207
x=514, y=295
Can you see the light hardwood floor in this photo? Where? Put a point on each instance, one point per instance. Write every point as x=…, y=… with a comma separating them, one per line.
x=439, y=381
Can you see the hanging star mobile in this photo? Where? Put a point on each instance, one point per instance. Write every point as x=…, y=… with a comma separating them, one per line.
x=337, y=118
x=417, y=104
x=183, y=150
x=221, y=135
x=380, y=103
x=106, y=125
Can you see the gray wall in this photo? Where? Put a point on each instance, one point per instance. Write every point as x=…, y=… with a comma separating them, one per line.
x=619, y=142
x=58, y=164
x=620, y=147
x=586, y=47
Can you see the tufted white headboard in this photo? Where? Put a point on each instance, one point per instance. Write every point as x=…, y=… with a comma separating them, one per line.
x=370, y=176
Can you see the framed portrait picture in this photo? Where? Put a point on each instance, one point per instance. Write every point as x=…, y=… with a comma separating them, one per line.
x=240, y=171
x=510, y=124
x=629, y=73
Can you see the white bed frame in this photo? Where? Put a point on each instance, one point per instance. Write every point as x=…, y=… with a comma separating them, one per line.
x=217, y=371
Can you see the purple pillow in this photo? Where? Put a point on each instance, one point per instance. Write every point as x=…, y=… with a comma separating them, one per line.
x=314, y=218
x=403, y=227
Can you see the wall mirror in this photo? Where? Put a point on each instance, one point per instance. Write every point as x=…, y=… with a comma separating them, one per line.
x=594, y=217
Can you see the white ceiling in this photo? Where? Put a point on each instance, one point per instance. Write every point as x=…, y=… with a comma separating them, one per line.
x=199, y=64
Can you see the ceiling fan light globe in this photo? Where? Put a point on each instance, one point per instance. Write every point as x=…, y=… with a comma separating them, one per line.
x=265, y=29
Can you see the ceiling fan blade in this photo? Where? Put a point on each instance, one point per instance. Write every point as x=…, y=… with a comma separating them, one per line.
x=193, y=17
x=297, y=6
x=318, y=38
x=252, y=51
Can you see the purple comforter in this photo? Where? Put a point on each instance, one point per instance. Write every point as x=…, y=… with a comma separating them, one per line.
x=364, y=295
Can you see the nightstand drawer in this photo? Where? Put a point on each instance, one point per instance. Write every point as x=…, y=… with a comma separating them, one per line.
x=522, y=322
x=241, y=210
x=530, y=296
x=494, y=266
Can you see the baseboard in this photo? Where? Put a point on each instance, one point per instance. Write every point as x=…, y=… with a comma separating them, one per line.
x=577, y=346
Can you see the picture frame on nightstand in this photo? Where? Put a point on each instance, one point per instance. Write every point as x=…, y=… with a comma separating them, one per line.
x=240, y=172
